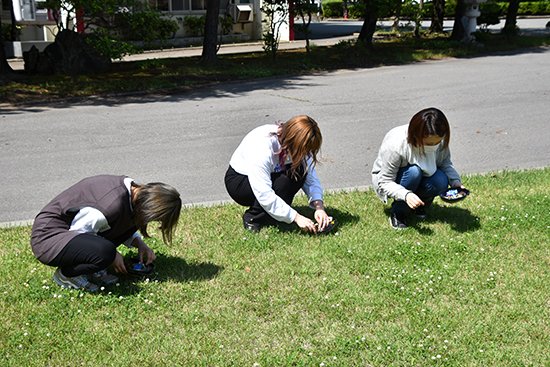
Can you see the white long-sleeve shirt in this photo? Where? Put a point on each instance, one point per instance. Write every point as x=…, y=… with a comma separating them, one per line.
x=91, y=220
x=257, y=157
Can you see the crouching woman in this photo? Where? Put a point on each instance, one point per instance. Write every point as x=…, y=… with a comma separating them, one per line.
x=414, y=165
x=269, y=167
x=78, y=232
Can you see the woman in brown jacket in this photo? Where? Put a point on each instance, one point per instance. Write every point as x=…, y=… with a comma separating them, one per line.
x=80, y=229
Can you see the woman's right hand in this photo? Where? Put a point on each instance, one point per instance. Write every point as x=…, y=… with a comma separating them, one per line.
x=413, y=201
x=118, y=264
x=305, y=223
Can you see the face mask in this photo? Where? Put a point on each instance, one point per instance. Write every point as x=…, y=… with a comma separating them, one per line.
x=430, y=148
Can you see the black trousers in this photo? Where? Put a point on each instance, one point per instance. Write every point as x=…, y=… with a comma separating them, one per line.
x=238, y=187
x=85, y=254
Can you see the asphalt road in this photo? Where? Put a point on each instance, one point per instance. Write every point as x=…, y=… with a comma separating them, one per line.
x=498, y=107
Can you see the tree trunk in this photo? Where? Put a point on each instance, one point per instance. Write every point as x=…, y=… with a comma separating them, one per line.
x=437, y=16
x=209, y=46
x=13, y=28
x=5, y=68
x=458, y=27
x=511, y=16
x=369, y=25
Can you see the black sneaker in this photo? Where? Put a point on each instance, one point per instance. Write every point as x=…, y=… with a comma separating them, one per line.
x=397, y=222
x=420, y=212
x=250, y=225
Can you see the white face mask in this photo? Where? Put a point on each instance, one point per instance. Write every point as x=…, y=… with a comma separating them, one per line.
x=430, y=148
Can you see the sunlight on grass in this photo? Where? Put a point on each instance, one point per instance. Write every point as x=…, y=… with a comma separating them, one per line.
x=467, y=287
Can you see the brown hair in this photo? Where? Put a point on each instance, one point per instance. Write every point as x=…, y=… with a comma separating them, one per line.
x=429, y=121
x=301, y=138
x=159, y=202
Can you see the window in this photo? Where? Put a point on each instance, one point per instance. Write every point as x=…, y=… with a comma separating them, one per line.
x=161, y=5
x=179, y=5
x=198, y=5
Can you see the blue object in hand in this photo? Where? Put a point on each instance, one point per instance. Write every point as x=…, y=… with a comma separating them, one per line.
x=138, y=266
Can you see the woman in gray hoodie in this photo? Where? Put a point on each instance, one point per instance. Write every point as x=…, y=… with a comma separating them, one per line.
x=414, y=165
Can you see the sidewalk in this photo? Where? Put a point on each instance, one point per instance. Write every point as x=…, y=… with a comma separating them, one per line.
x=234, y=48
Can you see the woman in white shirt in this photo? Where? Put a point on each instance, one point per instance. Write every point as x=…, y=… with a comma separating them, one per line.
x=80, y=229
x=414, y=165
x=270, y=166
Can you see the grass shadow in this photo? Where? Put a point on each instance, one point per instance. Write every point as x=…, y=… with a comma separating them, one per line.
x=167, y=268
x=460, y=219
x=343, y=218
x=176, y=268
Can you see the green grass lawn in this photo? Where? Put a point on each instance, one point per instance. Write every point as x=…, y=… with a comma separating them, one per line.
x=470, y=286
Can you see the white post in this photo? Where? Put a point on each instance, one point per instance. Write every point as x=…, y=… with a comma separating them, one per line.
x=469, y=20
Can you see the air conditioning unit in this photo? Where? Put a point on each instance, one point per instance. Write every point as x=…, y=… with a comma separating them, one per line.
x=241, y=13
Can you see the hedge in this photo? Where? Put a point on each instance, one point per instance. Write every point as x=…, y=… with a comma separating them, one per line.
x=335, y=9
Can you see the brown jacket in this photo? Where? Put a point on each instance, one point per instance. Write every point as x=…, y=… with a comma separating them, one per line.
x=106, y=193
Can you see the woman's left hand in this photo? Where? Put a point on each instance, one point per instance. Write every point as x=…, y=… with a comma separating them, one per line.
x=322, y=219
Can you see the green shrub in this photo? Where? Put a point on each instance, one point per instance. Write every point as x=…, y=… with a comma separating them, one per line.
x=490, y=13
x=104, y=43
x=194, y=26
x=528, y=7
x=226, y=24
x=145, y=26
x=333, y=9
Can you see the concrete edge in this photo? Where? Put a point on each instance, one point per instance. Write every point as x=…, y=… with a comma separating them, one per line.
x=212, y=203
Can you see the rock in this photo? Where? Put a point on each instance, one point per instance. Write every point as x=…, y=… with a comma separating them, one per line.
x=69, y=54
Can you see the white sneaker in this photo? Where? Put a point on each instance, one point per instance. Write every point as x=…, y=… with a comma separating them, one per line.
x=78, y=282
x=103, y=277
